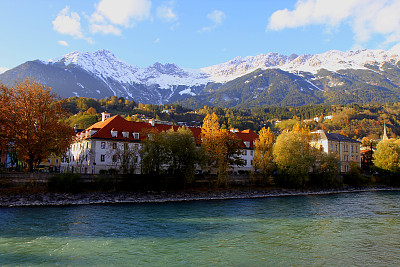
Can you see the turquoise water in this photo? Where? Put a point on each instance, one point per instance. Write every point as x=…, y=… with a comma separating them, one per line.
x=355, y=229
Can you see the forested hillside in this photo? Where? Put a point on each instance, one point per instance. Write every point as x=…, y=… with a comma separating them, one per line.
x=354, y=120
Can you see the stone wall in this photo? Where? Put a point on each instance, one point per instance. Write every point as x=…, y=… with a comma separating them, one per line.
x=23, y=179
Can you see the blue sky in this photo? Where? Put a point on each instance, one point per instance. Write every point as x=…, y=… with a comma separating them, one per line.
x=192, y=33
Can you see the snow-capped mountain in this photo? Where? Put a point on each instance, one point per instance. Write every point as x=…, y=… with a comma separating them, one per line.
x=332, y=60
x=106, y=65
x=272, y=78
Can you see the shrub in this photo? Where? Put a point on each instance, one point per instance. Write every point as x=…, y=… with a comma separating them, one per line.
x=354, y=177
x=104, y=182
x=66, y=182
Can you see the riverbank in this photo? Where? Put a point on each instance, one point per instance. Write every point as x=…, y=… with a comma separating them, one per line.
x=61, y=199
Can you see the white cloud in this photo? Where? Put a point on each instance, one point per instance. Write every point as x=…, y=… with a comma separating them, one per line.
x=123, y=12
x=365, y=17
x=166, y=13
x=104, y=29
x=157, y=40
x=68, y=23
x=110, y=15
x=3, y=69
x=216, y=18
x=64, y=43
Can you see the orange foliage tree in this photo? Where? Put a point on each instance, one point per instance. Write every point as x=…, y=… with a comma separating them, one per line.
x=31, y=122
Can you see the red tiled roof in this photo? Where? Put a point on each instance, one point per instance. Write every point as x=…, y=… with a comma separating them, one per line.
x=117, y=123
x=247, y=136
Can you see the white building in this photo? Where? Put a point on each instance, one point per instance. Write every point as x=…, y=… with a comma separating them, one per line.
x=108, y=144
x=347, y=148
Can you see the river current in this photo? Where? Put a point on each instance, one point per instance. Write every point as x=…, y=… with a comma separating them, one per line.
x=352, y=229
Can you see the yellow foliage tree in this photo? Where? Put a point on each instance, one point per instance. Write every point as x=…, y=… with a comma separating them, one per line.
x=263, y=158
x=387, y=155
x=221, y=147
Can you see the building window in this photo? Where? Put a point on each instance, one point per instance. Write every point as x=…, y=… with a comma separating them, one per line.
x=114, y=133
x=125, y=134
x=57, y=161
x=336, y=147
x=103, y=145
x=126, y=146
x=114, y=145
x=102, y=157
x=352, y=149
x=346, y=168
x=115, y=158
x=251, y=152
x=345, y=148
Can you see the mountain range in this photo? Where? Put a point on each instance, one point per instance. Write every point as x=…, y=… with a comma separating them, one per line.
x=268, y=79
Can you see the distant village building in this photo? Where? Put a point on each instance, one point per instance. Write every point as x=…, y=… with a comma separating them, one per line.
x=347, y=148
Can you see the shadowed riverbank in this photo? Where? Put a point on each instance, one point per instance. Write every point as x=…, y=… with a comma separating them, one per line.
x=12, y=199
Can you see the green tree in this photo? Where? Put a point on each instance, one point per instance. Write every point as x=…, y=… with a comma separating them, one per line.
x=182, y=153
x=294, y=157
x=326, y=169
x=153, y=153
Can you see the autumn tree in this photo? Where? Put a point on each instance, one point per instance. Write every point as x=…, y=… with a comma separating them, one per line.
x=222, y=147
x=263, y=163
x=32, y=122
x=294, y=156
x=387, y=158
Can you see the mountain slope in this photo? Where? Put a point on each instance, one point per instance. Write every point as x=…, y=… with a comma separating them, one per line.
x=272, y=79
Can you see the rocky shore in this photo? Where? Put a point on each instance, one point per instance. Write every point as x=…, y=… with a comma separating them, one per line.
x=62, y=199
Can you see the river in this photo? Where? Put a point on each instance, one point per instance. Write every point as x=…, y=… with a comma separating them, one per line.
x=350, y=229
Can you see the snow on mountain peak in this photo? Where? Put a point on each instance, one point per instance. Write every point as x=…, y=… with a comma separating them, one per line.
x=332, y=60
x=106, y=65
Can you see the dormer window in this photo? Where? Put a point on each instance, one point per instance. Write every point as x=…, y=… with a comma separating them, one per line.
x=114, y=133
x=125, y=134
x=247, y=144
x=135, y=135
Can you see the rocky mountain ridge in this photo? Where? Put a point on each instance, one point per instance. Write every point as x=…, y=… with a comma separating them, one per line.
x=270, y=79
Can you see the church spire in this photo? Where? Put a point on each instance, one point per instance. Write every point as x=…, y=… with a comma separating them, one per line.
x=384, y=137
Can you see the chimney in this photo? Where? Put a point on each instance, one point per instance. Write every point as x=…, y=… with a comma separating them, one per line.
x=152, y=122
x=105, y=116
